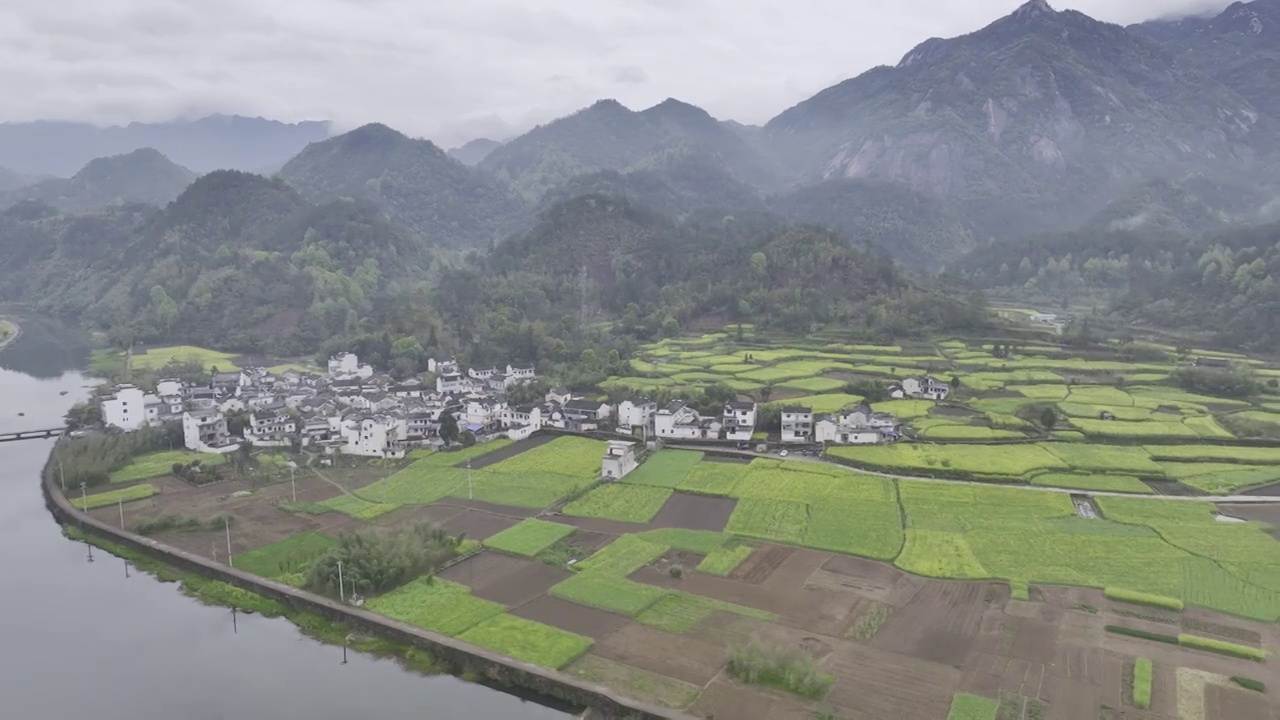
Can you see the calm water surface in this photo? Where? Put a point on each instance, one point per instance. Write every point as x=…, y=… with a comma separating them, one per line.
x=78, y=639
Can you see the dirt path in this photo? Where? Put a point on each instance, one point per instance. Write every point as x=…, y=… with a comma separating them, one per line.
x=1234, y=499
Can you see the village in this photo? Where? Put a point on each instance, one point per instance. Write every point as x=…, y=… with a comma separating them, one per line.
x=353, y=410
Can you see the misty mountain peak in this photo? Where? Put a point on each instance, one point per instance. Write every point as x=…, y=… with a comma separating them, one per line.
x=1033, y=9
x=373, y=134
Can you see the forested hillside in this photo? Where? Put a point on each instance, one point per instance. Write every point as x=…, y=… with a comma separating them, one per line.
x=143, y=175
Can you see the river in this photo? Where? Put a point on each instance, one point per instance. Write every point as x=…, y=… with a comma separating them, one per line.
x=83, y=640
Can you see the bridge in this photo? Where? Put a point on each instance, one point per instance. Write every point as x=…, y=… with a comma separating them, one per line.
x=33, y=435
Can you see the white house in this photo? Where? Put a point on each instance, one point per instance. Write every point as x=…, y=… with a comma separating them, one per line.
x=739, y=420
x=344, y=364
x=206, y=431
x=677, y=421
x=522, y=415
x=636, y=413
x=372, y=435
x=452, y=383
x=270, y=428
x=482, y=374
x=485, y=412
x=129, y=408
x=797, y=424
x=619, y=459
x=558, y=395
x=828, y=429
x=520, y=375
x=925, y=388
x=169, y=387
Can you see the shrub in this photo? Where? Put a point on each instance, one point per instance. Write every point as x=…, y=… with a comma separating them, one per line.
x=1143, y=634
x=1222, y=648
x=779, y=667
x=376, y=561
x=1249, y=683
x=676, y=571
x=1142, y=683
x=1141, y=598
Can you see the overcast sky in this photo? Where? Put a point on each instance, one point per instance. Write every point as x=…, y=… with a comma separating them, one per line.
x=451, y=70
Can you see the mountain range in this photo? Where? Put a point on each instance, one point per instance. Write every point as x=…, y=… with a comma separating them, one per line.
x=1042, y=131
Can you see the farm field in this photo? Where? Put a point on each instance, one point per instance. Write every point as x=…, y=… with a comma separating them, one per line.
x=157, y=464
x=156, y=358
x=114, y=497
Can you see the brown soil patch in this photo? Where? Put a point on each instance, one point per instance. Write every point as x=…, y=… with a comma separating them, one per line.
x=1073, y=699
x=734, y=591
x=589, y=542
x=593, y=623
x=872, y=683
x=939, y=624
x=504, y=579
x=695, y=512
x=1223, y=703
x=799, y=640
x=725, y=698
x=1072, y=598
x=658, y=573
x=1272, y=490
x=596, y=525
x=677, y=656
x=1199, y=622
x=824, y=611
x=761, y=563
x=794, y=572
x=410, y=514
x=496, y=509
x=729, y=459
x=1034, y=640
x=865, y=577
x=726, y=629
x=507, y=452
x=478, y=525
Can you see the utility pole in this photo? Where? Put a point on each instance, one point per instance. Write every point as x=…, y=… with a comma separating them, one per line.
x=227, y=523
x=120, y=503
x=62, y=477
x=84, y=498
x=342, y=595
x=293, y=485
x=471, y=494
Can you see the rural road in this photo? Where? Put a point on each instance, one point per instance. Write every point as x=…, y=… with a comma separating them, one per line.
x=1230, y=499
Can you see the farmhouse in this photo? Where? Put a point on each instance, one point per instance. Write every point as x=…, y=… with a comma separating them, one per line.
x=636, y=413
x=797, y=424
x=921, y=387
x=585, y=415
x=619, y=459
x=678, y=421
x=127, y=407
x=857, y=426
x=206, y=431
x=739, y=421
x=372, y=435
x=270, y=427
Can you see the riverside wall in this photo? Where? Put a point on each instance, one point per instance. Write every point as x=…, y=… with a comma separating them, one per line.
x=602, y=702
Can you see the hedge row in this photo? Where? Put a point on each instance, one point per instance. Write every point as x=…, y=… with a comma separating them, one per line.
x=1222, y=647
x=1143, y=634
x=1142, y=683
x=1249, y=683
x=1141, y=598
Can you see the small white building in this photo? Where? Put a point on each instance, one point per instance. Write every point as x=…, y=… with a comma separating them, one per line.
x=797, y=424
x=129, y=408
x=452, y=383
x=828, y=429
x=271, y=428
x=585, y=415
x=739, y=421
x=636, y=413
x=925, y=388
x=677, y=421
x=344, y=364
x=558, y=395
x=619, y=459
x=206, y=431
x=516, y=375
x=372, y=435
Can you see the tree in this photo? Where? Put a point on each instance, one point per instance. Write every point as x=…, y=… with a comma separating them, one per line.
x=448, y=428
x=766, y=392
x=1048, y=418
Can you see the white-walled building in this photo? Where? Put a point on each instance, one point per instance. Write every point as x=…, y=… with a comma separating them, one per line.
x=520, y=375
x=677, y=421
x=271, y=428
x=925, y=388
x=636, y=413
x=372, y=435
x=619, y=459
x=344, y=364
x=585, y=415
x=828, y=429
x=129, y=408
x=797, y=424
x=206, y=431
x=739, y=421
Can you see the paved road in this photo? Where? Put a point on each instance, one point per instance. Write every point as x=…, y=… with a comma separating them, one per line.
x=1232, y=499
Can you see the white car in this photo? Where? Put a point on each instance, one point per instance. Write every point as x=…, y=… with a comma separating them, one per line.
x=782, y=454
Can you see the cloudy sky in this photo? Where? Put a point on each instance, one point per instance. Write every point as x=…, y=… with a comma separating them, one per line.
x=455, y=69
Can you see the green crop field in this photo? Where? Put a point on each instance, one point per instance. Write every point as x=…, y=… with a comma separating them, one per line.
x=157, y=464
x=724, y=561
x=827, y=403
x=286, y=556
x=1105, y=458
x=703, y=542
x=435, y=604
x=528, y=640
x=357, y=507
x=573, y=456
x=1148, y=429
x=112, y=497
x=608, y=592
x=459, y=456
x=1216, y=453
x=949, y=431
x=972, y=707
x=530, y=537
x=1093, y=481
x=992, y=460
x=905, y=409
x=712, y=478
x=667, y=468
x=622, y=557
x=156, y=358
x=678, y=612
x=1042, y=392
x=815, y=385
x=624, y=503
x=1221, y=478
x=938, y=553
x=782, y=520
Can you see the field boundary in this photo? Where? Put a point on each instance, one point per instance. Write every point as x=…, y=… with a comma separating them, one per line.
x=462, y=657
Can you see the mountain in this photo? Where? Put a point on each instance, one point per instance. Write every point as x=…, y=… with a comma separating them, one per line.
x=608, y=136
x=1187, y=206
x=216, y=142
x=10, y=180
x=919, y=230
x=140, y=176
x=475, y=151
x=1239, y=47
x=680, y=185
x=414, y=182
x=237, y=261
x=1034, y=120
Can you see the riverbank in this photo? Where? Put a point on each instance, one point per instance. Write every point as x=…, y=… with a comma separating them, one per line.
x=334, y=622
